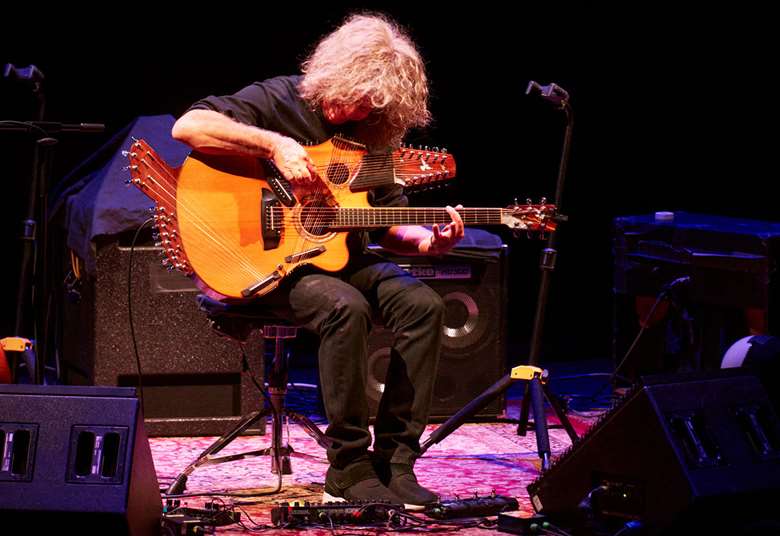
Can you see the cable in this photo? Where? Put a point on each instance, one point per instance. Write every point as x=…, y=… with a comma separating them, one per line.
x=247, y=368
x=643, y=327
x=130, y=310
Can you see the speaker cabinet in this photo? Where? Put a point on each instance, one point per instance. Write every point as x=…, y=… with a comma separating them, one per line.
x=473, y=354
x=192, y=377
x=76, y=458
x=679, y=451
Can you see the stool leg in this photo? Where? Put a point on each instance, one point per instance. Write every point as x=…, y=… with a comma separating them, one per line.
x=279, y=451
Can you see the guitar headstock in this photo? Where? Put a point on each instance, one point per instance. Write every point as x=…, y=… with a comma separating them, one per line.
x=530, y=218
x=422, y=167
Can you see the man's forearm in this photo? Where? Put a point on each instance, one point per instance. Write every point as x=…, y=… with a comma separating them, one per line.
x=407, y=240
x=211, y=132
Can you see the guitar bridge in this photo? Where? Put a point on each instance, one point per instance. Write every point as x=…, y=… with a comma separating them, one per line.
x=303, y=255
x=260, y=285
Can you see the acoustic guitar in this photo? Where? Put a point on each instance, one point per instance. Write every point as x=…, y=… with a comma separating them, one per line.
x=237, y=227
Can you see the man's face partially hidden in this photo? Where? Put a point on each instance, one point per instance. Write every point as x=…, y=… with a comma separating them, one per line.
x=337, y=113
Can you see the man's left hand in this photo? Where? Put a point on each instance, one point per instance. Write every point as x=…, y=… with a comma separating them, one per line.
x=444, y=239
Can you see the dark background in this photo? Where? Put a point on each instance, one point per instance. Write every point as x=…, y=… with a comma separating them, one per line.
x=672, y=113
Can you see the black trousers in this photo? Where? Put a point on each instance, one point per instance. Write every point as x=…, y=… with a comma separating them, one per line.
x=339, y=308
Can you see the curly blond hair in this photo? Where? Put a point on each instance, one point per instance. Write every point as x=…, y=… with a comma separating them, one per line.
x=370, y=57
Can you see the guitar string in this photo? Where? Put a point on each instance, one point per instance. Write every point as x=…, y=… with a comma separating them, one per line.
x=315, y=217
x=197, y=221
x=396, y=215
x=232, y=259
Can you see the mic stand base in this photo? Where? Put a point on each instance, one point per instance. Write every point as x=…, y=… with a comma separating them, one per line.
x=538, y=390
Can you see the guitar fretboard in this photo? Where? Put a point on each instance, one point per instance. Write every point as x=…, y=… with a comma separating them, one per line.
x=345, y=218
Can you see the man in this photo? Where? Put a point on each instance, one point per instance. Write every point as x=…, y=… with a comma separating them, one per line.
x=365, y=80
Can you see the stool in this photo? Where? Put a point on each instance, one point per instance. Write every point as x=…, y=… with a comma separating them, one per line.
x=279, y=451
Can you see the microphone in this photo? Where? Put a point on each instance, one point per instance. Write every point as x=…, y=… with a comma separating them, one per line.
x=551, y=92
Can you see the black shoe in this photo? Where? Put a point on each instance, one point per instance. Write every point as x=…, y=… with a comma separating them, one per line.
x=404, y=484
x=356, y=482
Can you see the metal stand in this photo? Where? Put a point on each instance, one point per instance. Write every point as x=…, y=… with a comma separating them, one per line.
x=33, y=288
x=280, y=451
x=535, y=390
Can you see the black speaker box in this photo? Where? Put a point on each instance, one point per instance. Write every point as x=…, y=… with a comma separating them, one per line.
x=76, y=458
x=473, y=354
x=192, y=378
x=679, y=451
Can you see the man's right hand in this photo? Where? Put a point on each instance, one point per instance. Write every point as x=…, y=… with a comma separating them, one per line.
x=213, y=133
x=292, y=160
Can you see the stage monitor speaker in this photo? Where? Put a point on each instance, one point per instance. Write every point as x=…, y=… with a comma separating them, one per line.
x=681, y=451
x=192, y=378
x=76, y=458
x=473, y=354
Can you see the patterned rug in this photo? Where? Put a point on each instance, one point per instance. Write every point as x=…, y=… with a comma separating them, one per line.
x=475, y=459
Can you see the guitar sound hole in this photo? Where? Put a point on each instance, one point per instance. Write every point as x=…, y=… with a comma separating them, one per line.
x=338, y=173
x=317, y=216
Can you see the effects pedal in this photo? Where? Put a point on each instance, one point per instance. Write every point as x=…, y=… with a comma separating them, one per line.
x=336, y=513
x=185, y=521
x=473, y=507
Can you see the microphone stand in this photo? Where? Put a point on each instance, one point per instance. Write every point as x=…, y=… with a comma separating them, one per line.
x=33, y=283
x=535, y=377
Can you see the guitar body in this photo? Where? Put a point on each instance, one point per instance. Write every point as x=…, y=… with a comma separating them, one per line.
x=218, y=209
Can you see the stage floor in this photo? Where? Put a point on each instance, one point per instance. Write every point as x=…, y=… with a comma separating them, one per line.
x=477, y=458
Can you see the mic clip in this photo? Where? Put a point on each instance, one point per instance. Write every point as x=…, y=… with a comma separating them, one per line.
x=551, y=92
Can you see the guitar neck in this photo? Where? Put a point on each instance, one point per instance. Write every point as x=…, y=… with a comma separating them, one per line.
x=354, y=218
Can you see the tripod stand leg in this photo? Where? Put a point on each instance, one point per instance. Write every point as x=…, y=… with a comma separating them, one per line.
x=279, y=452
x=310, y=428
x=540, y=422
x=560, y=413
x=525, y=405
x=470, y=409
